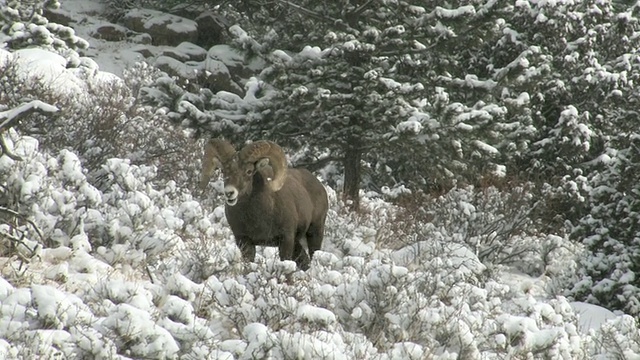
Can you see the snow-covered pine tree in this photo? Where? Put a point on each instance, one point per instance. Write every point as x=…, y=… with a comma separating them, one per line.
x=347, y=91
x=579, y=129
x=22, y=25
x=394, y=91
x=381, y=87
x=572, y=83
x=562, y=69
x=611, y=230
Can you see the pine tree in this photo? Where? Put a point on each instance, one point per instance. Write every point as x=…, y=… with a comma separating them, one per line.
x=610, y=273
x=579, y=67
x=380, y=87
x=23, y=25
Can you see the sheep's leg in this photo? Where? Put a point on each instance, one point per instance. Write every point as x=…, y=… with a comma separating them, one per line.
x=247, y=249
x=285, y=248
x=314, y=239
x=300, y=256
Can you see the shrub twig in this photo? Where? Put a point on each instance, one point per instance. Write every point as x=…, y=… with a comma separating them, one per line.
x=11, y=117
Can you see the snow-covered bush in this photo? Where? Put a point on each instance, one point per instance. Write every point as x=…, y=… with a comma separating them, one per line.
x=79, y=229
x=23, y=25
x=54, y=191
x=610, y=231
x=497, y=225
x=500, y=226
x=120, y=276
x=98, y=116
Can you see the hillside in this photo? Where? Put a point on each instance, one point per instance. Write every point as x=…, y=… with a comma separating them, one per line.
x=107, y=251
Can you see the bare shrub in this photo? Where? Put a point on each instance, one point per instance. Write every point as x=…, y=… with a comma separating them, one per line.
x=496, y=223
x=209, y=256
x=104, y=121
x=499, y=224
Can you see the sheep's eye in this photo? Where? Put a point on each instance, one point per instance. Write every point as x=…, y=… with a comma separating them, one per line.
x=249, y=172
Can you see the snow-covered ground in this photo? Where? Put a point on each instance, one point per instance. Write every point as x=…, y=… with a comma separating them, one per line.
x=132, y=270
x=112, y=57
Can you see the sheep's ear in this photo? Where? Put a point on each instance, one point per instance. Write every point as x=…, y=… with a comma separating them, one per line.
x=262, y=163
x=265, y=169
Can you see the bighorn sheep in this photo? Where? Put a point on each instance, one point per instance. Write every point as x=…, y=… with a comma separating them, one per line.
x=267, y=203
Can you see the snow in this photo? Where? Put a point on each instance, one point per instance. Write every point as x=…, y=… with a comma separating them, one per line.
x=485, y=147
x=47, y=66
x=591, y=317
x=14, y=113
x=316, y=315
x=410, y=126
x=441, y=12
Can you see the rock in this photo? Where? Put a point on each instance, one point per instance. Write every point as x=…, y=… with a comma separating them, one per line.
x=212, y=29
x=174, y=54
x=217, y=77
x=165, y=29
x=211, y=74
x=239, y=67
x=175, y=67
x=110, y=32
x=193, y=52
x=186, y=52
x=136, y=19
x=144, y=51
x=144, y=39
x=57, y=16
x=186, y=10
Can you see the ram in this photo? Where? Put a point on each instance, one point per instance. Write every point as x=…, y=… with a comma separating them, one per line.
x=267, y=203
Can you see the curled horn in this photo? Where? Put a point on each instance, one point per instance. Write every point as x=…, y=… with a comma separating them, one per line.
x=216, y=153
x=277, y=160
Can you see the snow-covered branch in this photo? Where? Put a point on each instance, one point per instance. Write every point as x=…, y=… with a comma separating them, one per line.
x=11, y=117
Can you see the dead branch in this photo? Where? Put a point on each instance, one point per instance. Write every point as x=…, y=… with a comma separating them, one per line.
x=11, y=117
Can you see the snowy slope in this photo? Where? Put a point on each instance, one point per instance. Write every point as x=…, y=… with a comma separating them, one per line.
x=167, y=282
x=112, y=57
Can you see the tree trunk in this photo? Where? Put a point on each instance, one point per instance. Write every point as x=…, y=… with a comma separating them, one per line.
x=352, y=157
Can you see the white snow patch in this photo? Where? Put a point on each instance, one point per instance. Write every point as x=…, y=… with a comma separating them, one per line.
x=591, y=316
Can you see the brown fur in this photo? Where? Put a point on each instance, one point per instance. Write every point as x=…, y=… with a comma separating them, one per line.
x=263, y=216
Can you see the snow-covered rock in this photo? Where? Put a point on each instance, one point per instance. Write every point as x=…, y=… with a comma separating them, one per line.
x=165, y=29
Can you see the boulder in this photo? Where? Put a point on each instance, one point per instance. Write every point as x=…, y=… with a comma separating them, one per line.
x=211, y=74
x=174, y=67
x=239, y=67
x=110, y=32
x=186, y=9
x=174, y=54
x=142, y=38
x=144, y=51
x=217, y=78
x=186, y=52
x=191, y=51
x=212, y=29
x=165, y=29
x=57, y=16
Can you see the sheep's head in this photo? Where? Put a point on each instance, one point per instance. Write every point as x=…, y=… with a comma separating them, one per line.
x=239, y=168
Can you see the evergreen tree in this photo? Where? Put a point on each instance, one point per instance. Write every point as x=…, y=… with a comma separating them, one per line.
x=569, y=61
x=609, y=275
x=377, y=84
x=23, y=25
x=610, y=229
x=578, y=65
